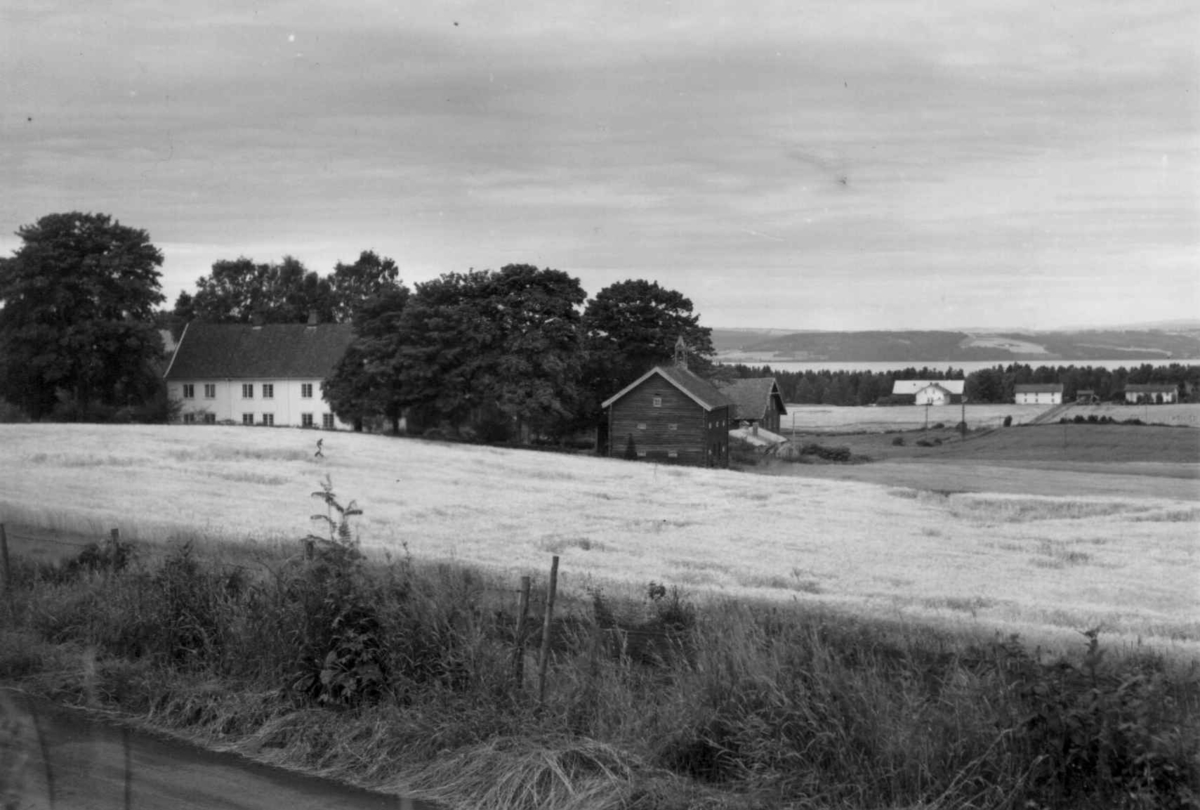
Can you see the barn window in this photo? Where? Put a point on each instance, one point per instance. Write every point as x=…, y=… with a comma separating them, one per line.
x=658, y=402
x=189, y=390
x=641, y=453
x=641, y=425
x=673, y=426
x=672, y=454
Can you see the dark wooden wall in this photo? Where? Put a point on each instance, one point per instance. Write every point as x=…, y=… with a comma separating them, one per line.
x=696, y=430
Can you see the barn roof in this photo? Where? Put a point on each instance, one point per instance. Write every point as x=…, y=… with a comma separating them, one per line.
x=752, y=396
x=1150, y=388
x=700, y=390
x=285, y=350
x=913, y=386
x=1039, y=388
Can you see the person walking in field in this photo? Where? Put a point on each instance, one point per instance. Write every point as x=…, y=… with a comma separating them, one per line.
x=319, y=454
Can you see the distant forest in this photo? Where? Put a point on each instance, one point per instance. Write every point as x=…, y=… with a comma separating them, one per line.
x=986, y=385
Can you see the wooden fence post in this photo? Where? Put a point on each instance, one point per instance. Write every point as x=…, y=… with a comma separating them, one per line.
x=544, y=660
x=5, y=576
x=519, y=638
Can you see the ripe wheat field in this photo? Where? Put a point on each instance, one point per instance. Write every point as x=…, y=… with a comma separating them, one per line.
x=1044, y=567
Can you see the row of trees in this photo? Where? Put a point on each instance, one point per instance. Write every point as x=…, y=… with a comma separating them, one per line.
x=241, y=290
x=997, y=384
x=518, y=349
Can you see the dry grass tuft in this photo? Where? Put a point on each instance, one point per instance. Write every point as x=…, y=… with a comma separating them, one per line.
x=518, y=773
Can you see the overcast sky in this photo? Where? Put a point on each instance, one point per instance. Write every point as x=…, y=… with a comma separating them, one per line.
x=850, y=164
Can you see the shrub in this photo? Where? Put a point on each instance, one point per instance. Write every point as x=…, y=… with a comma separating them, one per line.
x=1008, y=421
x=898, y=441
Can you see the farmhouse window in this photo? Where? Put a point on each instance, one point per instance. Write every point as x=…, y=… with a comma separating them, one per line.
x=247, y=390
x=306, y=420
x=306, y=390
x=189, y=390
x=268, y=419
x=247, y=419
x=641, y=425
x=268, y=391
x=210, y=391
x=327, y=421
x=210, y=418
x=658, y=402
x=189, y=418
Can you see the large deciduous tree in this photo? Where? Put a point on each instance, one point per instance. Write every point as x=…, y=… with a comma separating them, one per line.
x=78, y=302
x=364, y=384
x=487, y=346
x=353, y=285
x=632, y=326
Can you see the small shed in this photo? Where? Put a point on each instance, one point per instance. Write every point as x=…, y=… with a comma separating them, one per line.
x=757, y=402
x=1038, y=394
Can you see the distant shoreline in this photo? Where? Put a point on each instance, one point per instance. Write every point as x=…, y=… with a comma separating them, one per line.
x=967, y=366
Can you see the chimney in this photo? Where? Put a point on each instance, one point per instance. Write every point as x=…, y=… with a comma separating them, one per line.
x=313, y=318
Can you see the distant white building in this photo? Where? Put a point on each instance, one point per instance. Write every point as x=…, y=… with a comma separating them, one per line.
x=929, y=392
x=1153, y=393
x=1038, y=394
x=257, y=375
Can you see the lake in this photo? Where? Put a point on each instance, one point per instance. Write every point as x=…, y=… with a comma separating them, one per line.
x=942, y=365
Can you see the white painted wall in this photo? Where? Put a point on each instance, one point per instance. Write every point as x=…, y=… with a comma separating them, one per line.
x=1038, y=397
x=287, y=405
x=933, y=395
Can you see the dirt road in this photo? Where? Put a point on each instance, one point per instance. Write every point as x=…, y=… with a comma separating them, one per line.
x=55, y=759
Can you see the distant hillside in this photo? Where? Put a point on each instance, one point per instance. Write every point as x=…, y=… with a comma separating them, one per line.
x=878, y=347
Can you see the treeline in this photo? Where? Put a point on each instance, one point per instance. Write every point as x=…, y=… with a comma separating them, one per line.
x=998, y=384
x=825, y=387
x=515, y=353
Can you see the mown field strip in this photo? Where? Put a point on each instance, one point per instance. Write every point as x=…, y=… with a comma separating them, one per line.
x=1016, y=562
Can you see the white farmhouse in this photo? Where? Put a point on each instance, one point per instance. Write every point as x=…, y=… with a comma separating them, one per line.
x=929, y=392
x=257, y=375
x=1152, y=393
x=1038, y=394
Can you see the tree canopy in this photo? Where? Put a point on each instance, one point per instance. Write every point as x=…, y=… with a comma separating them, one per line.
x=633, y=325
x=239, y=290
x=78, y=304
x=364, y=384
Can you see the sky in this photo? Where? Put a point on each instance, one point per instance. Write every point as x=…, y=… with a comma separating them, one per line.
x=825, y=164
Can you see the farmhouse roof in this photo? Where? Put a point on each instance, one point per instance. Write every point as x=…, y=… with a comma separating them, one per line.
x=1039, y=388
x=913, y=386
x=282, y=350
x=700, y=390
x=752, y=396
x=1150, y=388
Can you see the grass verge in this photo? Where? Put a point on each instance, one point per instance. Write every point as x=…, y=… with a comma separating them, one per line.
x=401, y=676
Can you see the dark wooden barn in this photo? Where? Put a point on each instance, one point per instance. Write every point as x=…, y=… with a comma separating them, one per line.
x=673, y=416
x=757, y=402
